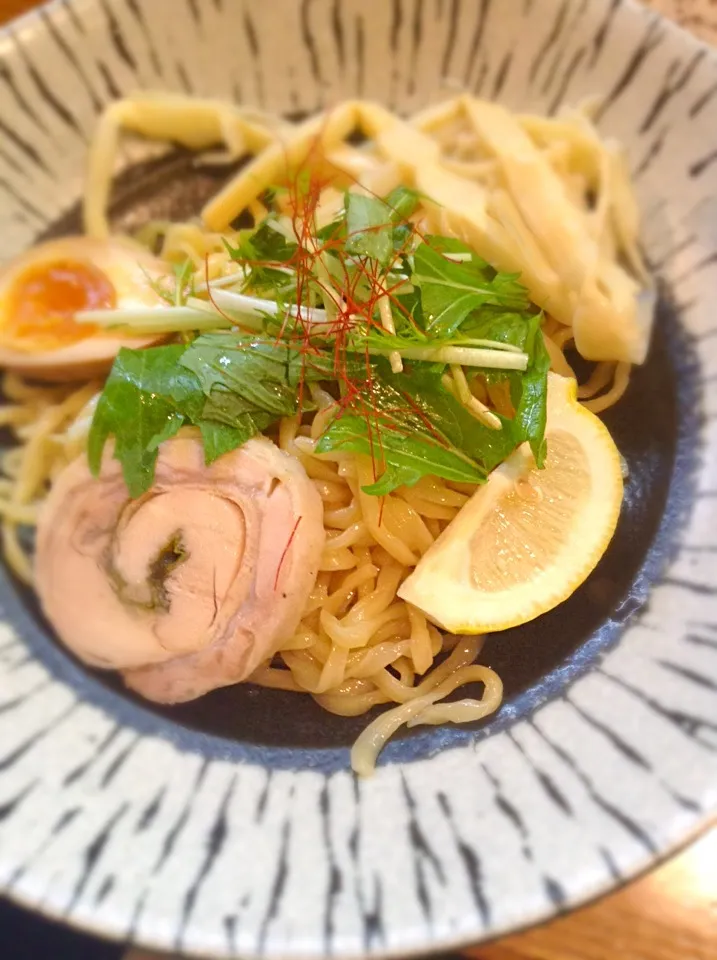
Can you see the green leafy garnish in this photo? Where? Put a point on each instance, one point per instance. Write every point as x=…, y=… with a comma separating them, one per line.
x=529, y=392
x=145, y=401
x=412, y=427
x=373, y=289
x=231, y=387
x=452, y=290
x=528, y=389
x=176, y=289
x=377, y=228
x=401, y=459
x=402, y=202
x=369, y=228
x=263, y=251
x=450, y=418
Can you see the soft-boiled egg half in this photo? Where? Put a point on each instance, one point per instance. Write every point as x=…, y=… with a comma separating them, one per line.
x=43, y=290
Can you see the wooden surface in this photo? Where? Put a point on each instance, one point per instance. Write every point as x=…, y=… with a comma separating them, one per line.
x=670, y=914
x=13, y=8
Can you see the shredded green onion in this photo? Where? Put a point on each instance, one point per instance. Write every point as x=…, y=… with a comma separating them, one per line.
x=138, y=320
x=465, y=356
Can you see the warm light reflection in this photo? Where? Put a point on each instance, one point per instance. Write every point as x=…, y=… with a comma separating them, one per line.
x=669, y=914
x=689, y=880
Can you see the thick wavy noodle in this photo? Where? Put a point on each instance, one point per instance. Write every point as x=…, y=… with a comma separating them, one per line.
x=358, y=644
x=51, y=426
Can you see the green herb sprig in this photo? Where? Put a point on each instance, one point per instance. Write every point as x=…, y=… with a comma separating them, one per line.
x=311, y=298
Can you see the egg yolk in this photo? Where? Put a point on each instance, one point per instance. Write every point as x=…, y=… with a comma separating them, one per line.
x=41, y=304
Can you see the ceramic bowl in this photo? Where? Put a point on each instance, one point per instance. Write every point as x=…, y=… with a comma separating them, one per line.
x=233, y=826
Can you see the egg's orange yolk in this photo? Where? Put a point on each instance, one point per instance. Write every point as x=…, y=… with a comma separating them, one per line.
x=42, y=302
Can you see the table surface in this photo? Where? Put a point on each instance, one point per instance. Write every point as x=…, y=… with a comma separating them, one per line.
x=670, y=914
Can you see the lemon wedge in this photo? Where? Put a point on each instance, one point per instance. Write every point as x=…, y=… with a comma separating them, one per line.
x=527, y=538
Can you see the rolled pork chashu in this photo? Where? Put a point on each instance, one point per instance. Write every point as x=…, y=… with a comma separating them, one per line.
x=191, y=586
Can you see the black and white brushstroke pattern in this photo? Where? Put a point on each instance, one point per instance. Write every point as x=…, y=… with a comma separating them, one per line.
x=137, y=837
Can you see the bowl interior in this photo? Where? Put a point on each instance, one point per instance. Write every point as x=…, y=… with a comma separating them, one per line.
x=536, y=661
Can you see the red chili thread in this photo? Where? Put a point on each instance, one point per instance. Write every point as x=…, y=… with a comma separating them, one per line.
x=300, y=204
x=285, y=552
